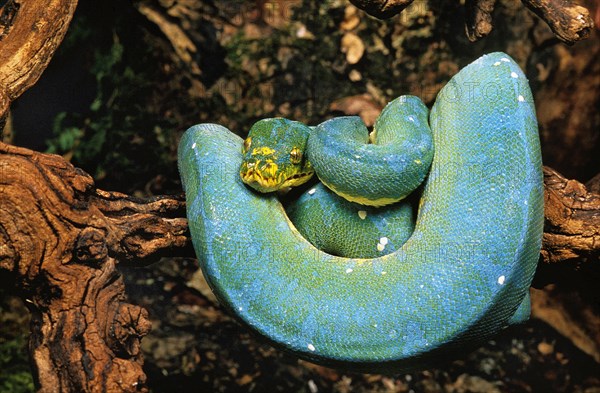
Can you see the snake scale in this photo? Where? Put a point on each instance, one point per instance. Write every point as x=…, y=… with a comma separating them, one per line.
x=461, y=277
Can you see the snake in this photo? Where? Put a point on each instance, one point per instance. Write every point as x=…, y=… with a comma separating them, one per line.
x=461, y=276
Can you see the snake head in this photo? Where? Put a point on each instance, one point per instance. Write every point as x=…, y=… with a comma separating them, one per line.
x=274, y=155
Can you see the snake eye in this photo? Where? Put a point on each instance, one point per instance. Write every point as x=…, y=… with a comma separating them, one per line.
x=247, y=144
x=295, y=155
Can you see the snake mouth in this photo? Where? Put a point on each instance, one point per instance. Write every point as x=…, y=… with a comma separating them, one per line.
x=265, y=182
x=297, y=179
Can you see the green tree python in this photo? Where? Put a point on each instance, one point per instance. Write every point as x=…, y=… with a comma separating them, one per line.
x=460, y=276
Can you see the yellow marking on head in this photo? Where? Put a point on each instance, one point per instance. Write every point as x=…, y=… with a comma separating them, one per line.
x=263, y=150
x=261, y=175
x=269, y=169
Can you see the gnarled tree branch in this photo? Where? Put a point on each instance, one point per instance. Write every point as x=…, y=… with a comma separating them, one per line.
x=569, y=21
x=30, y=32
x=62, y=239
x=572, y=226
x=478, y=22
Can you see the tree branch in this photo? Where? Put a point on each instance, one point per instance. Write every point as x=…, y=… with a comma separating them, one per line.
x=382, y=9
x=569, y=22
x=572, y=226
x=62, y=239
x=30, y=32
x=478, y=22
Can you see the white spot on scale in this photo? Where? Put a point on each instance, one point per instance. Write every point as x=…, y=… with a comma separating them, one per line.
x=362, y=214
x=311, y=347
x=501, y=280
x=194, y=145
x=411, y=118
x=380, y=247
x=240, y=308
x=349, y=270
x=505, y=59
x=312, y=191
x=514, y=74
x=497, y=63
x=521, y=99
x=383, y=273
x=384, y=240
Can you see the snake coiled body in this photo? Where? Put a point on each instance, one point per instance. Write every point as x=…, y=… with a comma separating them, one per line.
x=461, y=277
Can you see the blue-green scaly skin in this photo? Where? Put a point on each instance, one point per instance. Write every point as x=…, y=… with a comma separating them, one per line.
x=380, y=173
x=458, y=279
x=328, y=221
x=390, y=168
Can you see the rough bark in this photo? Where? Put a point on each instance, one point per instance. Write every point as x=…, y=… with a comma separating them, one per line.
x=478, y=22
x=62, y=239
x=572, y=226
x=30, y=32
x=569, y=22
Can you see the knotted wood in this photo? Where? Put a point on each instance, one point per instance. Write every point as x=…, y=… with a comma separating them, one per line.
x=62, y=239
x=572, y=225
x=569, y=22
x=30, y=32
